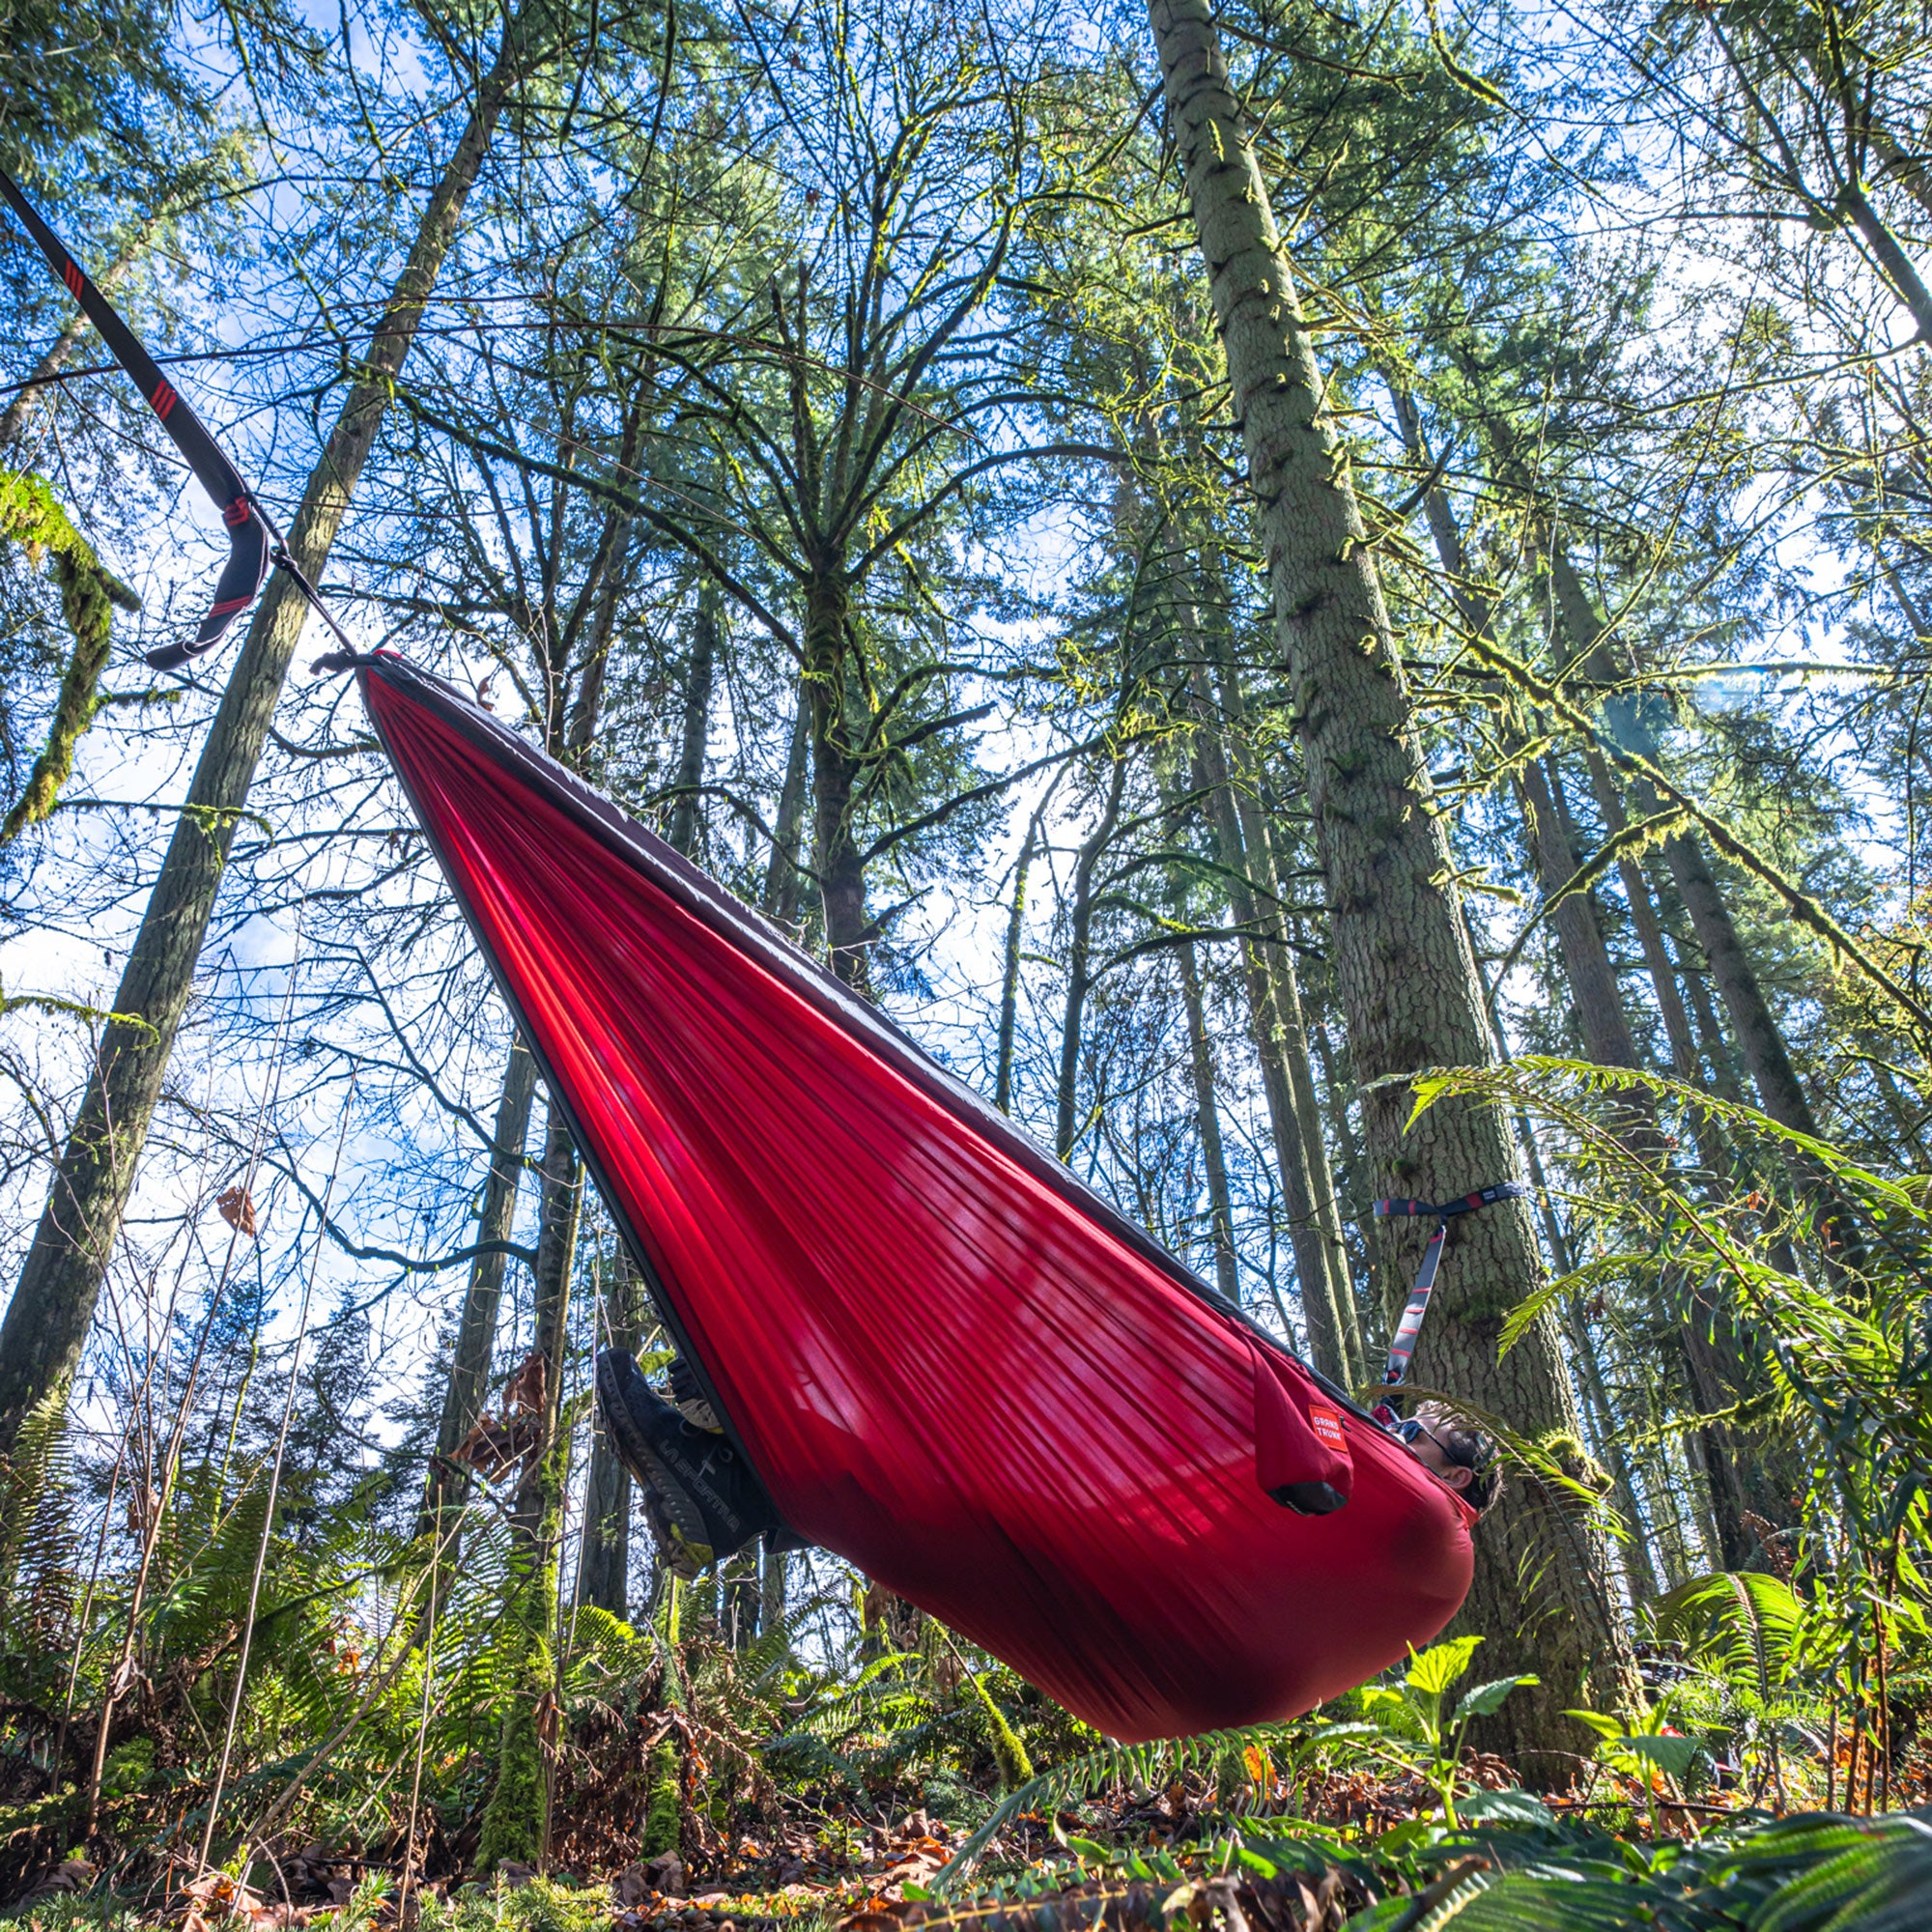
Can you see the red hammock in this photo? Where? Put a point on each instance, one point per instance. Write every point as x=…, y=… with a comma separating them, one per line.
x=950, y=1362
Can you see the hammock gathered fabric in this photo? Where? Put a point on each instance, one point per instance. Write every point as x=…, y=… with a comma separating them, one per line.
x=947, y=1360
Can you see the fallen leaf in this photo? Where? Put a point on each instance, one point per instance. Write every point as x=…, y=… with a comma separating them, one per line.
x=237, y=1209
x=523, y=1393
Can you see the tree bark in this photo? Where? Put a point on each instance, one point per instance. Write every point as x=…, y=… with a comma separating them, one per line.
x=1258, y=859
x=1402, y=966
x=469, y=1383
x=1207, y=1122
x=33, y=392
x=1010, y=972
x=840, y=867
x=1715, y=1373
x=47, y=1322
x=1293, y=1132
x=780, y=898
x=604, y=1555
x=682, y=831
x=1080, y=958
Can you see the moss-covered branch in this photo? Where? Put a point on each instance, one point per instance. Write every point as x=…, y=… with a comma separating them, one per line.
x=30, y=517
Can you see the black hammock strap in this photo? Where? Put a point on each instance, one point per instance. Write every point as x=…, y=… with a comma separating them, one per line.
x=253, y=540
x=1402, y=1348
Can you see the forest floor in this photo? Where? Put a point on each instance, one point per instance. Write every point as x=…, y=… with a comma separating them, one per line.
x=1352, y=1849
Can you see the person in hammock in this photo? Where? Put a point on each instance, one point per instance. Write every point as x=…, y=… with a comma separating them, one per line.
x=1464, y=1458
x=701, y=1499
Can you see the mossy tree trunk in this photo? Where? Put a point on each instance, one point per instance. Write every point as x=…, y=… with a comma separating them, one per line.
x=1405, y=977
x=467, y=1388
x=516, y=1820
x=835, y=774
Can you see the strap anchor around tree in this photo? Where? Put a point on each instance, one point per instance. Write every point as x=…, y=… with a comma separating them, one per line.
x=1402, y=1348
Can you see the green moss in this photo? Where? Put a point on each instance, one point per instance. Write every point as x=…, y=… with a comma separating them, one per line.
x=30, y=517
x=664, y=1815
x=1009, y=1753
x=516, y=1820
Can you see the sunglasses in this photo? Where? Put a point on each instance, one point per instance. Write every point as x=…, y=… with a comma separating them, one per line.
x=1408, y=1431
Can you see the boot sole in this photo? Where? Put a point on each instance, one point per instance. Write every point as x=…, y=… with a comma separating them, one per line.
x=678, y=1489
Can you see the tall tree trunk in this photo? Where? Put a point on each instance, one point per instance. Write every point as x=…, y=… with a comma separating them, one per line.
x=1080, y=960
x=469, y=1383
x=1402, y=966
x=1754, y=1026
x=31, y=393
x=1009, y=969
x=47, y=1322
x=1293, y=1132
x=1716, y=1374
x=1258, y=861
x=682, y=831
x=841, y=870
x=780, y=898
x=1207, y=1122
x=516, y=1820
x=604, y=1553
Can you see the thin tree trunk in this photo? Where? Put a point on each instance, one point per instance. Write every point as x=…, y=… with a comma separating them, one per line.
x=516, y=1820
x=1009, y=971
x=780, y=898
x=30, y=395
x=540, y=1491
x=1752, y=1024
x=1258, y=859
x=1291, y=1131
x=469, y=1383
x=47, y=1322
x=1402, y=966
x=1207, y=1122
x=1760, y=1040
x=1609, y=1041
x=604, y=1554
x=682, y=832
x=841, y=870
x=1079, y=960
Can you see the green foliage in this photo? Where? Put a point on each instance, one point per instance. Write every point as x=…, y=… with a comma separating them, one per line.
x=665, y=1813
x=30, y=517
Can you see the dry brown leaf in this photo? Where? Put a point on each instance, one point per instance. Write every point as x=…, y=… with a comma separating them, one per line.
x=492, y=1447
x=523, y=1393
x=237, y=1209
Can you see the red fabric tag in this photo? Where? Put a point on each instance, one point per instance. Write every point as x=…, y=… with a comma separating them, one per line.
x=1326, y=1424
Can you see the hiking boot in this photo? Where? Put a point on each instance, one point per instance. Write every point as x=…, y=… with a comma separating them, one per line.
x=689, y=1401
x=700, y=1499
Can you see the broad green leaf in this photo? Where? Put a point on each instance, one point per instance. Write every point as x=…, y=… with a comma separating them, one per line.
x=1487, y=1697
x=1673, y=1756
x=1505, y=1807
x=1605, y=1728
x=1438, y=1667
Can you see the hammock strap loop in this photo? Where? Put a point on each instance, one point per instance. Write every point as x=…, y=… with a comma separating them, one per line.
x=1401, y=1349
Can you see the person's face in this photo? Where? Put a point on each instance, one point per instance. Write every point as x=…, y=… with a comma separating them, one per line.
x=1425, y=1448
